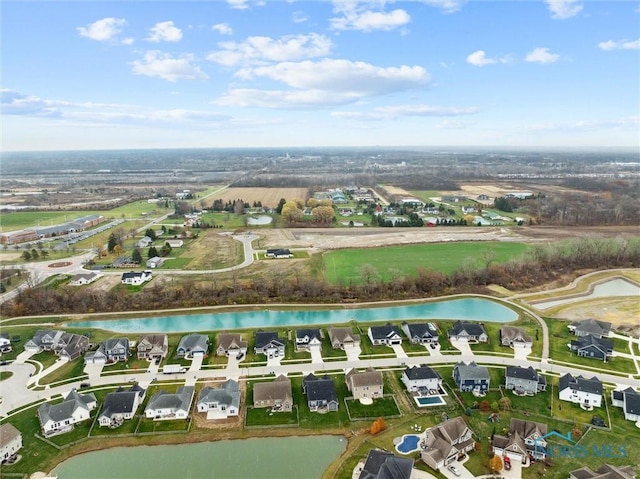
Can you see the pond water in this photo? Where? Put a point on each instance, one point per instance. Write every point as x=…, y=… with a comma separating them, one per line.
x=259, y=220
x=279, y=458
x=472, y=309
x=612, y=288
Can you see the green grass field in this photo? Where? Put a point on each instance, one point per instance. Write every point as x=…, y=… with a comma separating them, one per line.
x=344, y=266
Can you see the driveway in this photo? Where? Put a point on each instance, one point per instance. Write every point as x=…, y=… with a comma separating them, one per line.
x=397, y=348
x=435, y=351
x=462, y=346
x=93, y=370
x=12, y=390
x=316, y=355
x=521, y=353
x=274, y=361
x=353, y=352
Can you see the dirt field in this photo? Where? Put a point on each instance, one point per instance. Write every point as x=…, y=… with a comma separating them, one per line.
x=268, y=196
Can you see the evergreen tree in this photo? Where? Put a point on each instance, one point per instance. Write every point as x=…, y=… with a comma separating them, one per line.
x=136, y=256
x=153, y=252
x=112, y=242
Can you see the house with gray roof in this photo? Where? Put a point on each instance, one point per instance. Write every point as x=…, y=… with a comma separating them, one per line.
x=43, y=340
x=343, y=338
x=515, y=337
x=153, y=346
x=524, y=380
x=221, y=402
x=580, y=390
x=112, y=350
x=136, y=278
x=276, y=395
x=471, y=377
x=471, y=332
x=629, y=401
x=230, y=344
x=443, y=443
x=606, y=471
x=71, y=346
x=526, y=440
x=81, y=279
x=421, y=378
x=387, y=335
x=164, y=405
x=385, y=465
x=590, y=346
x=10, y=441
x=308, y=338
x=193, y=345
x=269, y=344
x=120, y=405
x=420, y=333
x=368, y=384
x=321, y=393
x=60, y=418
x=594, y=327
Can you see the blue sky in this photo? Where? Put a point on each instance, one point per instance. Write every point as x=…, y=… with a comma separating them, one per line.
x=246, y=73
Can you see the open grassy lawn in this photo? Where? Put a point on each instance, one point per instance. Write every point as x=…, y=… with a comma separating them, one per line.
x=316, y=420
x=128, y=427
x=382, y=407
x=560, y=337
x=72, y=369
x=209, y=251
x=150, y=426
x=343, y=266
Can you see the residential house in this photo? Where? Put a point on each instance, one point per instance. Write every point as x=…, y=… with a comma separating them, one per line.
x=525, y=441
x=193, y=345
x=471, y=332
x=385, y=465
x=110, y=351
x=421, y=379
x=174, y=243
x=629, y=401
x=220, y=403
x=443, y=443
x=60, y=418
x=308, y=338
x=420, y=333
x=143, y=242
x=606, y=471
x=43, y=340
x=84, y=278
x=524, y=380
x=166, y=406
x=515, y=337
x=71, y=346
x=590, y=346
x=276, y=395
x=321, y=393
x=580, y=390
x=120, y=406
x=365, y=385
x=230, y=344
x=594, y=327
x=471, y=377
x=10, y=441
x=5, y=343
x=269, y=344
x=124, y=262
x=278, y=253
x=387, y=335
x=136, y=278
x=155, y=262
x=343, y=338
x=153, y=346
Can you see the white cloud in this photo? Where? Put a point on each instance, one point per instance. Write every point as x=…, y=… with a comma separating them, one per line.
x=261, y=49
x=359, y=78
x=447, y=6
x=299, y=17
x=284, y=99
x=394, y=112
x=619, y=45
x=542, y=55
x=238, y=4
x=165, y=66
x=222, y=29
x=563, y=9
x=362, y=16
x=164, y=32
x=104, y=30
x=479, y=59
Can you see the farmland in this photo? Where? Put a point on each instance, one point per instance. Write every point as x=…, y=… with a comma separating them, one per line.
x=268, y=196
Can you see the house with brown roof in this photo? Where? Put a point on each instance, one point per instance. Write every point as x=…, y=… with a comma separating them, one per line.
x=152, y=346
x=276, y=395
x=524, y=442
x=230, y=344
x=515, y=337
x=10, y=441
x=365, y=385
x=442, y=444
x=343, y=338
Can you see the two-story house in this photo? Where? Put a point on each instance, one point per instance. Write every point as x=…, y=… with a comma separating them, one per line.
x=421, y=379
x=442, y=444
x=526, y=441
x=276, y=395
x=61, y=417
x=368, y=384
x=629, y=400
x=471, y=377
x=308, y=338
x=153, y=346
x=120, y=405
x=321, y=393
x=110, y=351
x=164, y=405
x=580, y=390
x=524, y=380
x=10, y=441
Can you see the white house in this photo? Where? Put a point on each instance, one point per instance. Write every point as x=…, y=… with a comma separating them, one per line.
x=629, y=401
x=580, y=390
x=165, y=406
x=421, y=378
x=136, y=278
x=308, y=338
x=220, y=403
x=387, y=335
x=60, y=418
x=10, y=441
x=84, y=278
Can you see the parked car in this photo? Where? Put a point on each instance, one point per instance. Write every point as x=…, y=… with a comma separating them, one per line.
x=240, y=356
x=84, y=385
x=453, y=470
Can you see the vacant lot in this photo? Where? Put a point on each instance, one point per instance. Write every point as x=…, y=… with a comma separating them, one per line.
x=269, y=197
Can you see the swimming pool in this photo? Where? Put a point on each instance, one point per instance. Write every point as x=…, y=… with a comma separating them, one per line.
x=408, y=444
x=471, y=309
x=429, y=400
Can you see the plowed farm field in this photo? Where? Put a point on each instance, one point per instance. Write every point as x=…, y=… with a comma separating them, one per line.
x=269, y=197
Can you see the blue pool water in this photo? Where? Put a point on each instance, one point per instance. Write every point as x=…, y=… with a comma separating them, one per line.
x=429, y=401
x=471, y=309
x=409, y=444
